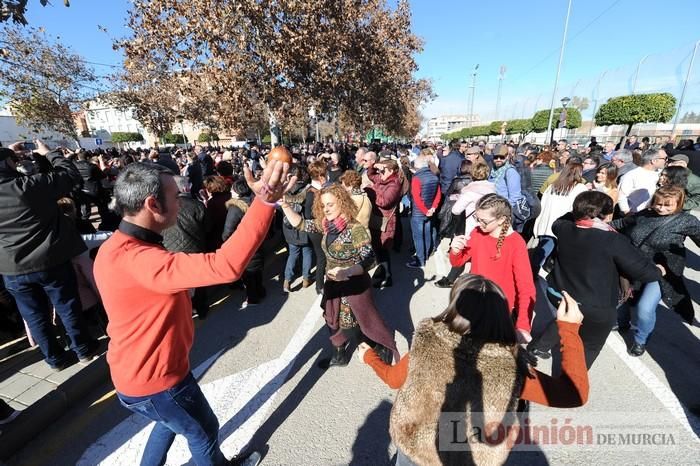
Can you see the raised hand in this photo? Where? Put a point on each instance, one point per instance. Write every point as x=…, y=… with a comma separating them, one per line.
x=272, y=184
x=568, y=310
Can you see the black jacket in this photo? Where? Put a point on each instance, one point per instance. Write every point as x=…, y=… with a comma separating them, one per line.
x=297, y=200
x=189, y=233
x=662, y=240
x=236, y=210
x=92, y=177
x=34, y=235
x=589, y=264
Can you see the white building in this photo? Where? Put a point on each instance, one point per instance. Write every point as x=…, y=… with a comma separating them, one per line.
x=103, y=120
x=447, y=123
x=11, y=131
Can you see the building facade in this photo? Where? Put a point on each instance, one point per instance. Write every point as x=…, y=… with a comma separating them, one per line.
x=447, y=123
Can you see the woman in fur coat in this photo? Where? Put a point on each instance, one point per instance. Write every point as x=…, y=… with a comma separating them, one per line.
x=466, y=365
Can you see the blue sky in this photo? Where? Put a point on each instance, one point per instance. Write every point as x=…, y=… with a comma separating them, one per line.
x=523, y=35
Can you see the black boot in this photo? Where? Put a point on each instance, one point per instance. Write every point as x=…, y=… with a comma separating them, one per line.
x=340, y=358
x=384, y=353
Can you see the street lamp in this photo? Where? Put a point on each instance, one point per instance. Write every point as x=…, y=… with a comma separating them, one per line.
x=562, y=116
x=181, y=119
x=473, y=88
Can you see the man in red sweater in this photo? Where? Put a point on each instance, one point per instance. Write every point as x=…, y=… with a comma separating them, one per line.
x=150, y=311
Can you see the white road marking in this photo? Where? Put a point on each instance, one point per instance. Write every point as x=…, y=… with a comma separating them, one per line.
x=664, y=394
x=240, y=401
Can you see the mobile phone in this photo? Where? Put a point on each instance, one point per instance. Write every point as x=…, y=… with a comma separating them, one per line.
x=554, y=296
x=29, y=146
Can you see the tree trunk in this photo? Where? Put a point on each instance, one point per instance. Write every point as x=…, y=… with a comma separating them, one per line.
x=275, y=130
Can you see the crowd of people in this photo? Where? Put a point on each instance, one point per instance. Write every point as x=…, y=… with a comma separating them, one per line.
x=600, y=228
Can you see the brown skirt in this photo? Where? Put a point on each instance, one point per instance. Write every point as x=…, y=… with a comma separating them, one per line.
x=358, y=293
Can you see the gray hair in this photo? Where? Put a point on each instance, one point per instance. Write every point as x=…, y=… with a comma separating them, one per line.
x=650, y=154
x=135, y=183
x=183, y=183
x=420, y=162
x=624, y=155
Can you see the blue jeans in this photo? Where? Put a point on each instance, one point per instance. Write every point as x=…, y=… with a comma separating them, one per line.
x=545, y=247
x=58, y=283
x=646, y=312
x=306, y=260
x=424, y=237
x=182, y=410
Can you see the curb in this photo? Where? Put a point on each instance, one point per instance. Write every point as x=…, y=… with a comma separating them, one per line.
x=34, y=419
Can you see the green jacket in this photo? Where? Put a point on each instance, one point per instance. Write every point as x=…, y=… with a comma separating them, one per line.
x=692, y=200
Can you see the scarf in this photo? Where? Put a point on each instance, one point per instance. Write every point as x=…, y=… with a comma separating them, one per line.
x=500, y=172
x=595, y=223
x=334, y=227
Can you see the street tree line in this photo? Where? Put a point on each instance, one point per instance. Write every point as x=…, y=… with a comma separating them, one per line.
x=232, y=65
x=623, y=110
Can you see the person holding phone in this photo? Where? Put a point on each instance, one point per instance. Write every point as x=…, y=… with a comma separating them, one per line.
x=590, y=258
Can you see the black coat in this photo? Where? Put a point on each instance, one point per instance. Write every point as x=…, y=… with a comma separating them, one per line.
x=189, y=233
x=297, y=200
x=34, y=234
x=236, y=211
x=92, y=177
x=589, y=264
x=662, y=239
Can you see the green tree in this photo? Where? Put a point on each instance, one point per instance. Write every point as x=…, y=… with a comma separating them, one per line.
x=639, y=108
x=120, y=137
x=171, y=138
x=207, y=137
x=540, y=119
x=495, y=128
x=520, y=126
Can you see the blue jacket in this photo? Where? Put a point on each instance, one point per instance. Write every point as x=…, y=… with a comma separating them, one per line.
x=425, y=185
x=449, y=169
x=507, y=184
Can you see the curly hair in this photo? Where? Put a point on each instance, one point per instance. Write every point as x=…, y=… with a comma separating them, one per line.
x=351, y=179
x=215, y=184
x=348, y=208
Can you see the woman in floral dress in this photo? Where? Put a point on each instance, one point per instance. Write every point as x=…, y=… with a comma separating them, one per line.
x=348, y=305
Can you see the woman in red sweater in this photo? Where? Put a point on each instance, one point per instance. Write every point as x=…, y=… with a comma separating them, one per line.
x=465, y=367
x=499, y=254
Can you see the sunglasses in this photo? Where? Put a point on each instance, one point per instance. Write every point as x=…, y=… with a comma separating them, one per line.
x=499, y=157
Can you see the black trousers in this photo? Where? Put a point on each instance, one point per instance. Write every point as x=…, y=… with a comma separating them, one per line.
x=316, y=239
x=253, y=281
x=594, y=330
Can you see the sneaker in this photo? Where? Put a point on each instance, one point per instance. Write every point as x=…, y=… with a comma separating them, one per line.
x=414, y=264
x=91, y=355
x=252, y=459
x=539, y=354
x=443, y=283
x=285, y=287
x=637, y=349
x=7, y=413
x=62, y=365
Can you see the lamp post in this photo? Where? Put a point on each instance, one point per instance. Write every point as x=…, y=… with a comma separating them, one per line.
x=685, y=85
x=501, y=75
x=181, y=119
x=636, y=74
x=563, y=115
x=561, y=58
x=597, y=98
x=471, y=104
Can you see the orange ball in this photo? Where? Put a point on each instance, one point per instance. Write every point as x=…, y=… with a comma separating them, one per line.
x=281, y=154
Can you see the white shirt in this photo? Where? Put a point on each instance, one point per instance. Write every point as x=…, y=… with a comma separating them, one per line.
x=636, y=188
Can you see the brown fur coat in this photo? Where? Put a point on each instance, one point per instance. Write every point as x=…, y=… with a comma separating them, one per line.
x=449, y=373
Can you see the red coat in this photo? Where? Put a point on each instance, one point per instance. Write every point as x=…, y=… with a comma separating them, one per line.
x=385, y=196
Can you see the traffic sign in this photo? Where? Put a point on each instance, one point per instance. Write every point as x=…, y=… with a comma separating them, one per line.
x=98, y=141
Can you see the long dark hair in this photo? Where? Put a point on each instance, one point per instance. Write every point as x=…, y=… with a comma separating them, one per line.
x=478, y=307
